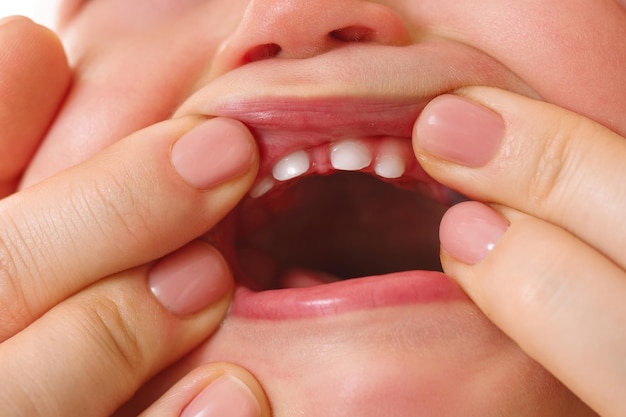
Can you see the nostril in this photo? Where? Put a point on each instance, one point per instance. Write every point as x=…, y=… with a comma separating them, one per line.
x=260, y=52
x=353, y=34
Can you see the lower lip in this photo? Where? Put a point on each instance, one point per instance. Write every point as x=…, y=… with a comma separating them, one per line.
x=413, y=287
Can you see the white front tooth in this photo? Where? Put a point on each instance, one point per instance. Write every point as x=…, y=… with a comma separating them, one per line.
x=350, y=156
x=292, y=166
x=262, y=187
x=392, y=156
x=390, y=166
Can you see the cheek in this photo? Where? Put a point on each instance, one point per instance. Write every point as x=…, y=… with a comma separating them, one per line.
x=572, y=53
x=97, y=113
x=123, y=86
x=126, y=78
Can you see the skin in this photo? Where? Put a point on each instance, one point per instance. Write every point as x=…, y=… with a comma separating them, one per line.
x=460, y=361
x=76, y=300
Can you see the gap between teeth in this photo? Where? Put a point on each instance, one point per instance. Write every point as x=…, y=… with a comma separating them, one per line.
x=389, y=161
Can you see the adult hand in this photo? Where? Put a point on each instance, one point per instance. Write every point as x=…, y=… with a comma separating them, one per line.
x=34, y=78
x=213, y=390
x=545, y=256
x=86, y=316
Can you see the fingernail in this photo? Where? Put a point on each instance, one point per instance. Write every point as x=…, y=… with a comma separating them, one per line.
x=226, y=396
x=190, y=279
x=458, y=130
x=213, y=153
x=469, y=231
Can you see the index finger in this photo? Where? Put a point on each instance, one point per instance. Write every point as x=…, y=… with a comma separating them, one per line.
x=547, y=162
x=138, y=200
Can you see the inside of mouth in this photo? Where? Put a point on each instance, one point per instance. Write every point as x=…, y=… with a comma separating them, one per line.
x=321, y=229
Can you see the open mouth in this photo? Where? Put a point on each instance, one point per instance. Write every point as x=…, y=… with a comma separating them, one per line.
x=324, y=229
x=341, y=217
x=343, y=210
x=348, y=211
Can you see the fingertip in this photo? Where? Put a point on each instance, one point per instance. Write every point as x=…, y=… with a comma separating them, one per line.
x=224, y=396
x=469, y=231
x=214, y=152
x=191, y=279
x=217, y=389
x=459, y=130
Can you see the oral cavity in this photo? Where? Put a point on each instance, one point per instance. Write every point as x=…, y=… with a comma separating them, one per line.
x=341, y=210
x=388, y=158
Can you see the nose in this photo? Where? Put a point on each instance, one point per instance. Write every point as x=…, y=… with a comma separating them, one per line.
x=299, y=29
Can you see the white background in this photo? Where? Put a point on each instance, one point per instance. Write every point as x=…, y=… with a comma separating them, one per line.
x=35, y=9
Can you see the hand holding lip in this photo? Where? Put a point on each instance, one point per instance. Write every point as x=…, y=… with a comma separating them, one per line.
x=546, y=262
x=87, y=311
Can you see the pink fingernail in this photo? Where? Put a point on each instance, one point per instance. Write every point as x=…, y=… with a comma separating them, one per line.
x=190, y=279
x=226, y=396
x=459, y=130
x=469, y=231
x=213, y=153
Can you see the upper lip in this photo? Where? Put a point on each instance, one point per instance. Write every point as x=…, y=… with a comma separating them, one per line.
x=351, y=92
x=282, y=126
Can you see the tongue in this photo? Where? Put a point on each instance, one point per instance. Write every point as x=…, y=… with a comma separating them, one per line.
x=302, y=278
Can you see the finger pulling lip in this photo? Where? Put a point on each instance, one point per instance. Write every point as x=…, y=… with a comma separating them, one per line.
x=299, y=104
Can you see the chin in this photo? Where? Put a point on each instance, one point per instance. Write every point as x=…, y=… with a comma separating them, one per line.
x=434, y=359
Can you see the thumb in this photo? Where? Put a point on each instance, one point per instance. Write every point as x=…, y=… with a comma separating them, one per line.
x=218, y=389
x=140, y=199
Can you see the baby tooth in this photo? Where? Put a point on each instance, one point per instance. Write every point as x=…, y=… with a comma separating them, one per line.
x=262, y=188
x=350, y=156
x=390, y=166
x=391, y=160
x=292, y=166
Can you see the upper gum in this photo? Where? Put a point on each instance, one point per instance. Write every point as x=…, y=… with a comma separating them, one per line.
x=319, y=156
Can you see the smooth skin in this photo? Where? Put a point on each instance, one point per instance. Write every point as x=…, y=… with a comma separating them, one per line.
x=544, y=256
x=576, y=283
x=80, y=311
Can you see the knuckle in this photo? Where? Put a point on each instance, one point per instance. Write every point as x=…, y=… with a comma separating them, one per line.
x=536, y=289
x=110, y=209
x=549, y=175
x=107, y=323
x=15, y=312
x=15, y=309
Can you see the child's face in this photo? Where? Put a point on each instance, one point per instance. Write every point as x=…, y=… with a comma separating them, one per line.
x=302, y=73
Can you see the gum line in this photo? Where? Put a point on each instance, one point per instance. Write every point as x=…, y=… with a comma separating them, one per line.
x=390, y=158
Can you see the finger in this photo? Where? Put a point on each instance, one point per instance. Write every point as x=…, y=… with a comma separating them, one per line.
x=34, y=78
x=559, y=299
x=213, y=390
x=531, y=156
x=129, y=205
x=89, y=354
